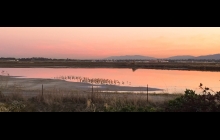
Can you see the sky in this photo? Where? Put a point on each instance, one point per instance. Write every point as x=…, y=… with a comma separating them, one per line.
x=102, y=42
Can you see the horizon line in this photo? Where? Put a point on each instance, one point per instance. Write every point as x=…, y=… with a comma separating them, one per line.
x=107, y=57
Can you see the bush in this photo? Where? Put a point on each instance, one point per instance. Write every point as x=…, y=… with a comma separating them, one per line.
x=191, y=102
x=132, y=108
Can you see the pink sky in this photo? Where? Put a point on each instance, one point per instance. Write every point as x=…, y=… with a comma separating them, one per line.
x=102, y=42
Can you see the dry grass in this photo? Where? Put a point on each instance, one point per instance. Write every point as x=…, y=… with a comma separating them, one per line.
x=78, y=101
x=15, y=99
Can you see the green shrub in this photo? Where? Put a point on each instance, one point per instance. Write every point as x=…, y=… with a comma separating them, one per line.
x=191, y=102
x=132, y=108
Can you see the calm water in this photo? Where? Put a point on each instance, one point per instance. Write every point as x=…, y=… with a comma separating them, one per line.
x=172, y=81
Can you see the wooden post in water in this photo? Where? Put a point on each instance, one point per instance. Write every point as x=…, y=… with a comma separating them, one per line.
x=147, y=93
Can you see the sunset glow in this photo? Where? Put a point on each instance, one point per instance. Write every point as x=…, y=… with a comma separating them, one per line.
x=102, y=42
x=174, y=80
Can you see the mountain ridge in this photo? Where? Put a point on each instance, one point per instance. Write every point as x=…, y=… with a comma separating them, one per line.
x=130, y=57
x=127, y=57
x=181, y=57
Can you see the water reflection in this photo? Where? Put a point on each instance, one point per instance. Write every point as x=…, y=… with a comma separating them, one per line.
x=134, y=69
x=172, y=81
x=100, y=81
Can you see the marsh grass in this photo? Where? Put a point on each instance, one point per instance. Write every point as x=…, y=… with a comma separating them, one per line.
x=78, y=101
x=16, y=99
x=4, y=78
x=198, y=66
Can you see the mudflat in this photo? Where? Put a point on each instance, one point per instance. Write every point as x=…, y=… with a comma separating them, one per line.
x=35, y=84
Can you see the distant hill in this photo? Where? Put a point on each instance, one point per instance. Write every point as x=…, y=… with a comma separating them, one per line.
x=127, y=57
x=213, y=56
x=181, y=57
x=205, y=57
x=178, y=57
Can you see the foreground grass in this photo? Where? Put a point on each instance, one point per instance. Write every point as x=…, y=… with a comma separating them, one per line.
x=84, y=102
x=111, y=102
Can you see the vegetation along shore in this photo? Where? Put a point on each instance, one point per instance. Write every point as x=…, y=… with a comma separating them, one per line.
x=197, y=66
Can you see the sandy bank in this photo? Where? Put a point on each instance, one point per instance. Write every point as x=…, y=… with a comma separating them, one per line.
x=36, y=84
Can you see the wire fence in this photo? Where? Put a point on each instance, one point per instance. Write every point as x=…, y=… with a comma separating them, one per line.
x=182, y=89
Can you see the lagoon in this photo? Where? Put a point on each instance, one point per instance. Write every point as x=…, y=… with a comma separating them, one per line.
x=171, y=81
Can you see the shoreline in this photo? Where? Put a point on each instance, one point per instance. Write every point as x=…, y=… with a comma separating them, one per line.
x=215, y=67
x=35, y=84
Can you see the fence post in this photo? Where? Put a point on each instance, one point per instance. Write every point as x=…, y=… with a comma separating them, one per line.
x=42, y=90
x=147, y=93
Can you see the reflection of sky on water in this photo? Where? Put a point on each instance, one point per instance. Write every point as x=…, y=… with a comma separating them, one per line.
x=169, y=80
